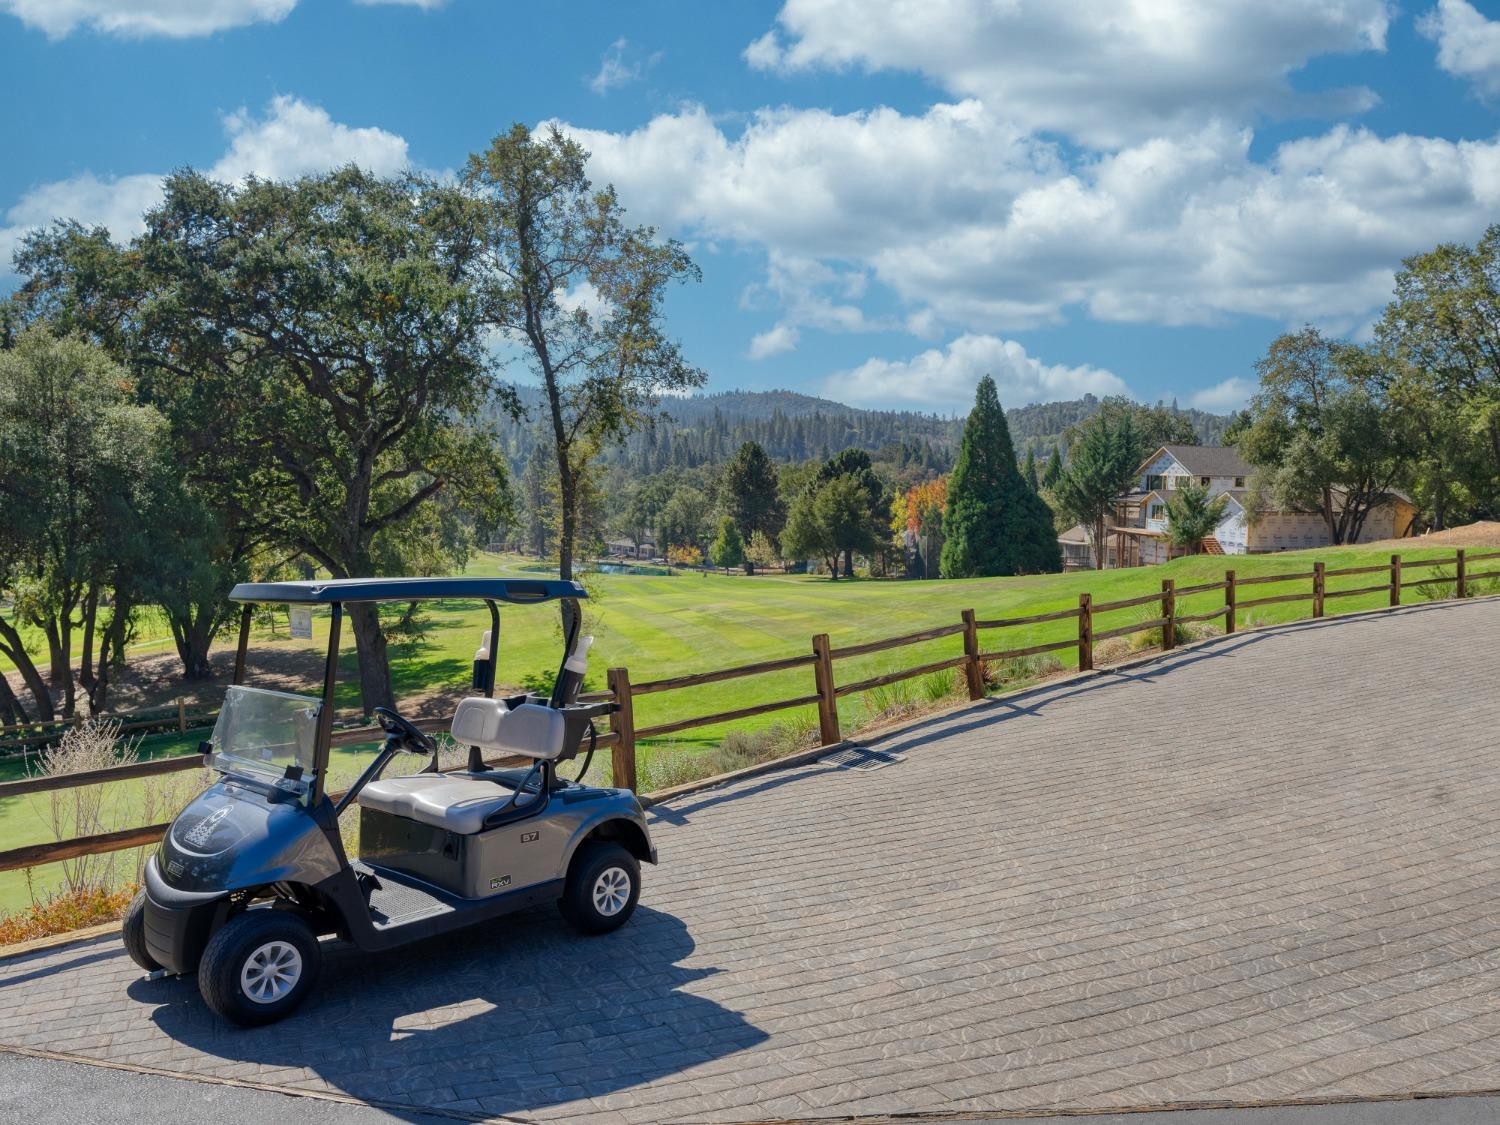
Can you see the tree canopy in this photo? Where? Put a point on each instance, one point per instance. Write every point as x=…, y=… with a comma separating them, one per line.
x=318, y=347
x=1192, y=515
x=1322, y=434
x=750, y=490
x=1102, y=461
x=579, y=294
x=993, y=523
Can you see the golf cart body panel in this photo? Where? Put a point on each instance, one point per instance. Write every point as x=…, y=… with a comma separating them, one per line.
x=254, y=868
x=235, y=837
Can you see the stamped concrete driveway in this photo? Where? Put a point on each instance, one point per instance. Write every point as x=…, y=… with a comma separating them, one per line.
x=1260, y=869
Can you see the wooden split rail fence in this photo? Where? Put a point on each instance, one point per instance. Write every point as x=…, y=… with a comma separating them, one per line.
x=826, y=691
x=19, y=736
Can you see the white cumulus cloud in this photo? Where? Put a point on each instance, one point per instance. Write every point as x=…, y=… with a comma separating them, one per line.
x=974, y=225
x=943, y=379
x=777, y=340
x=140, y=18
x=1101, y=71
x=291, y=138
x=620, y=66
x=295, y=138
x=1232, y=394
x=1468, y=43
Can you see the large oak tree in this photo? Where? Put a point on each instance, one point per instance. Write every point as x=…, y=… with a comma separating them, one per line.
x=318, y=347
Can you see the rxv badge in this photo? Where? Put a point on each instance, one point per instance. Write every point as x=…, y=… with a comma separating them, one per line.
x=529, y=837
x=501, y=881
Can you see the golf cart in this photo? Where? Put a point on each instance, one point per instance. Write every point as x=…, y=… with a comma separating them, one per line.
x=253, y=871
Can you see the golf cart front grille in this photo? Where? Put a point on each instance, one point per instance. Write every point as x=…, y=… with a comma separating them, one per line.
x=860, y=758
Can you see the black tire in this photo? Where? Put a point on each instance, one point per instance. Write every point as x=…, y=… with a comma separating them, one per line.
x=592, y=897
x=262, y=936
x=133, y=932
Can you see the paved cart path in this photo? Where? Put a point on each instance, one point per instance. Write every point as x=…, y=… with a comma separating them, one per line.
x=1260, y=869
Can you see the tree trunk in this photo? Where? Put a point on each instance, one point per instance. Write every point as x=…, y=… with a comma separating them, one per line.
x=10, y=644
x=374, y=666
x=11, y=711
x=86, y=657
x=193, y=639
x=59, y=671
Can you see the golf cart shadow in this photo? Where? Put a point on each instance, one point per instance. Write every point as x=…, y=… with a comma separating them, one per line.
x=513, y=1015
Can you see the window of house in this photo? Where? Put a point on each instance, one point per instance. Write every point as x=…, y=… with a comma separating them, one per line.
x=1154, y=481
x=1239, y=482
x=1158, y=511
x=1203, y=481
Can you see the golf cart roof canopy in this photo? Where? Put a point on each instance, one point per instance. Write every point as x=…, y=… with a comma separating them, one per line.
x=516, y=590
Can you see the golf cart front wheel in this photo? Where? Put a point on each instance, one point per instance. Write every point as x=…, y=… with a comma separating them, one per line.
x=259, y=966
x=604, y=884
x=133, y=932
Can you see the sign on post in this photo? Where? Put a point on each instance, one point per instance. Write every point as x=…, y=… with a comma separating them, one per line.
x=301, y=621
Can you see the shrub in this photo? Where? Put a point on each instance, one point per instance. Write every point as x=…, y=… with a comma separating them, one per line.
x=67, y=910
x=666, y=766
x=1151, y=638
x=1022, y=669
x=86, y=810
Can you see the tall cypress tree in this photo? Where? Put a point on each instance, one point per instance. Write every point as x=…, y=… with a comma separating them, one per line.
x=1029, y=472
x=994, y=523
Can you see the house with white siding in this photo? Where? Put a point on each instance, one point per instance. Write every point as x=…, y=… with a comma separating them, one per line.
x=1138, y=535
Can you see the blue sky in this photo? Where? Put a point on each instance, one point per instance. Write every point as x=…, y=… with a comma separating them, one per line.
x=887, y=199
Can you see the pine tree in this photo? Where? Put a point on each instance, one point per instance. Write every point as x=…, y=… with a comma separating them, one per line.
x=994, y=524
x=1029, y=472
x=750, y=492
x=1053, y=470
x=728, y=550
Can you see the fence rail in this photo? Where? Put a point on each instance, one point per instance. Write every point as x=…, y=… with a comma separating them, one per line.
x=821, y=658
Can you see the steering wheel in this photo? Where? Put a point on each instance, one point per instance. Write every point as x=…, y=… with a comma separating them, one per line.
x=411, y=737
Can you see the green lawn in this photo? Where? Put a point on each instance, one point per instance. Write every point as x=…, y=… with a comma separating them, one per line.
x=666, y=626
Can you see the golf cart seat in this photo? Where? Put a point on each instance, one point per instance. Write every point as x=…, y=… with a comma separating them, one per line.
x=464, y=804
x=457, y=804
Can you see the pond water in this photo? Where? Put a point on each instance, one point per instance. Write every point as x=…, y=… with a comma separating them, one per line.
x=627, y=568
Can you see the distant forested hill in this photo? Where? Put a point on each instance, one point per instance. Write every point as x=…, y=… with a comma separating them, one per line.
x=707, y=429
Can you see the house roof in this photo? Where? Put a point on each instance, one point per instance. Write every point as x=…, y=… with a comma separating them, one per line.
x=1074, y=534
x=1205, y=460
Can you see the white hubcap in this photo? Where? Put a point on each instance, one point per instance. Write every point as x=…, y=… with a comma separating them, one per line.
x=611, y=891
x=271, y=972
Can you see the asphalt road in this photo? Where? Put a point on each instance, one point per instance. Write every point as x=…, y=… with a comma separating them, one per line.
x=46, y=1092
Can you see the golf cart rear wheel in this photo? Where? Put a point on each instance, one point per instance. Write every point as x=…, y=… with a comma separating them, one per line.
x=259, y=966
x=604, y=883
x=133, y=931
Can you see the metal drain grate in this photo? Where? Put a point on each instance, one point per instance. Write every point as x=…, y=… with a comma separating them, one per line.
x=860, y=758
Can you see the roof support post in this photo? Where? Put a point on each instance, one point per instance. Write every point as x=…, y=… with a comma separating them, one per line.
x=244, y=645
x=325, y=713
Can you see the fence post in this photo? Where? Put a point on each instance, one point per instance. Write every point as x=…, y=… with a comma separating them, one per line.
x=1463, y=576
x=1395, y=579
x=828, y=702
x=1085, y=632
x=973, y=672
x=1318, y=587
x=1231, y=598
x=1168, y=611
x=622, y=722
x=181, y=714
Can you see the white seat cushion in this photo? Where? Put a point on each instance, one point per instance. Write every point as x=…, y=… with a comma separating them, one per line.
x=477, y=722
x=532, y=731
x=458, y=804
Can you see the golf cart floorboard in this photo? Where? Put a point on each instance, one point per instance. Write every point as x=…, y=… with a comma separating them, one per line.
x=396, y=903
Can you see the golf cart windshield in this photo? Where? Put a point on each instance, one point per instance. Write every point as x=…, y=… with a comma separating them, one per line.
x=260, y=733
